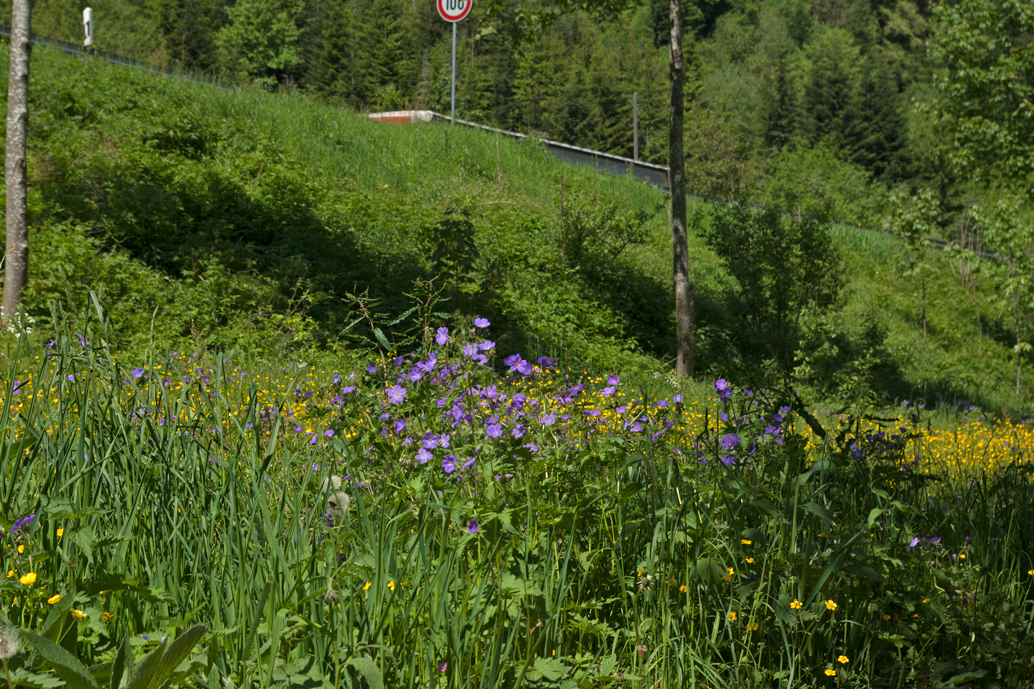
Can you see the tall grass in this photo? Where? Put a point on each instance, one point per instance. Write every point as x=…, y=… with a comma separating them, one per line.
x=652, y=542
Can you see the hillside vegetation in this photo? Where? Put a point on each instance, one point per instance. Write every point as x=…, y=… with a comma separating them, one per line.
x=203, y=218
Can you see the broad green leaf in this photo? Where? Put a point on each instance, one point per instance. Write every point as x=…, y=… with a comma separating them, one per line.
x=369, y=670
x=66, y=665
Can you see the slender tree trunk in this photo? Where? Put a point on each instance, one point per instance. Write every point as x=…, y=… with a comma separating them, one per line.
x=1019, y=354
x=16, y=256
x=677, y=173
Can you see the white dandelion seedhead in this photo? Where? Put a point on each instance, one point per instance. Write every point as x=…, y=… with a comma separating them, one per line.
x=10, y=642
x=337, y=500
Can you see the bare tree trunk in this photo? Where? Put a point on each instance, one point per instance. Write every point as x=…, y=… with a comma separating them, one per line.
x=677, y=173
x=16, y=256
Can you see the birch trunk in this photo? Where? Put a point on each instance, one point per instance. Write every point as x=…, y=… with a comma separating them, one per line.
x=677, y=173
x=16, y=256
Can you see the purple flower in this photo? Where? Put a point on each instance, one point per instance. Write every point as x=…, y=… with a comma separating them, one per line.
x=486, y=345
x=329, y=433
x=730, y=441
x=677, y=399
x=397, y=361
x=524, y=368
x=396, y=394
x=481, y=323
x=335, y=380
x=430, y=441
x=449, y=464
x=728, y=460
x=473, y=528
x=443, y=666
x=415, y=374
x=443, y=440
x=17, y=387
x=722, y=388
x=470, y=350
x=935, y=540
x=518, y=431
x=400, y=425
x=494, y=430
x=469, y=463
x=372, y=368
x=136, y=373
x=513, y=361
x=548, y=419
x=546, y=361
x=424, y=456
x=348, y=389
x=442, y=336
x=607, y=391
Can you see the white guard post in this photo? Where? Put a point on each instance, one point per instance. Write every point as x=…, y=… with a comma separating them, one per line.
x=88, y=27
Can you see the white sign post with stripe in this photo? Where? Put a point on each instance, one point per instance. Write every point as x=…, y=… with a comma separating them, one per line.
x=454, y=11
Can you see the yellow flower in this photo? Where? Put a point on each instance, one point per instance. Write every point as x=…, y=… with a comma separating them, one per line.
x=830, y=605
x=796, y=605
x=886, y=617
x=1030, y=572
x=831, y=672
x=28, y=579
x=60, y=533
x=10, y=573
x=21, y=549
x=80, y=614
x=750, y=560
x=54, y=599
x=843, y=660
x=367, y=587
x=732, y=616
x=106, y=615
x=731, y=571
x=682, y=589
x=926, y=600
x=962, y=556
x=745, y=541
x=641, y=573
x=391, y=585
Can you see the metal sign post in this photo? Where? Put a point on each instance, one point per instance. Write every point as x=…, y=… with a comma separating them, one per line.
x=454, y=11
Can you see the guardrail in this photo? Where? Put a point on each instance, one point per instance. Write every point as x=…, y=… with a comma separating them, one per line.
x=115, y=58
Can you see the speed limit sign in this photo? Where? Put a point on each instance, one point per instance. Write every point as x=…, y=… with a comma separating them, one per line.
x=454, y=10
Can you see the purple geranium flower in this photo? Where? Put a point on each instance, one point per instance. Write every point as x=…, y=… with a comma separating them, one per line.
x=548, y=419
x=473, y=528
x=372, y=368
x=914, y=543
x=730, y=441
x=494, y=430
x=396, y=394
x=329, y=433
x=400, y=425
x=723, y=389
x=136, y=373
x=449, y=464
x=424, y=456
x=481, y=323
x=442, y=336
x=486, y=345
x=547, y=362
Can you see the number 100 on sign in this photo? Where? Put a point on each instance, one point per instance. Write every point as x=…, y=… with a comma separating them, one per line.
x=454, y=10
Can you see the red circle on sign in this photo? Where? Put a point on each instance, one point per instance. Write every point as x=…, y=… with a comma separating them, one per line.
x=454, y=10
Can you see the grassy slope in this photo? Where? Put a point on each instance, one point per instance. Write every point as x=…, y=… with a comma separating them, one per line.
x=241, y=215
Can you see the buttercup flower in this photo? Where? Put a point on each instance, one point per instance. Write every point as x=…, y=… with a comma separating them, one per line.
x=367, y=586
x=80, y=614
x=796, y=604
x=842, y=660
x=831, y=672
x=732, y=616
x=54, y=599
x=28, y=579
x=830, y=605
